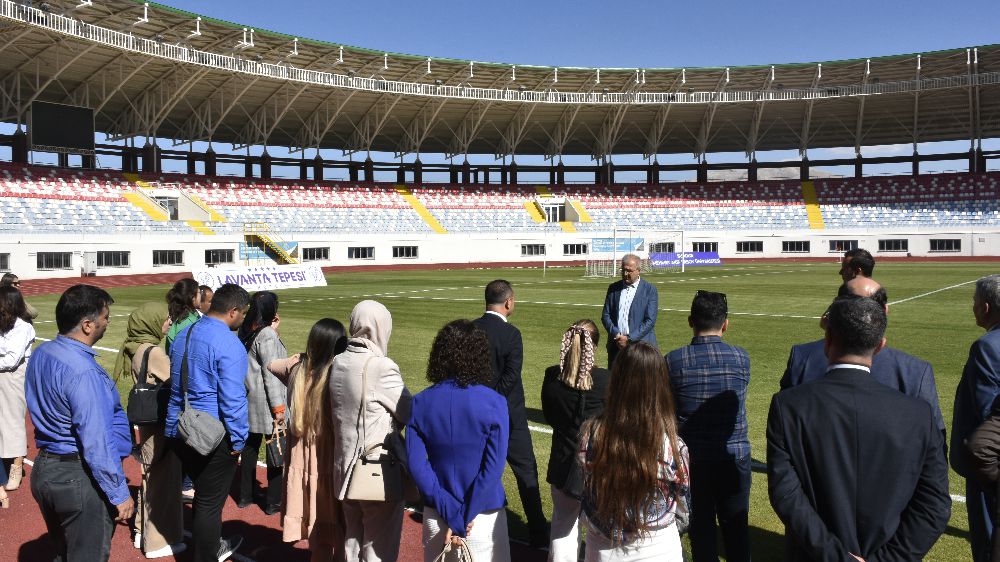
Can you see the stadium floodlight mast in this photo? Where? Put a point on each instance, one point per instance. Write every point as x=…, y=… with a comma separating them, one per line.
x=145, y=15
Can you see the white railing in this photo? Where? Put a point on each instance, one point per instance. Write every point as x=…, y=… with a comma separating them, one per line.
x=126, y=41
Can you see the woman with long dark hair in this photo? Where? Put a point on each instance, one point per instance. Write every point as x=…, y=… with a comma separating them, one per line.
x=573, y=391
x=456, y=445
x=635, y=467
x=182, y=308
x=16, y=336
x=311, y=510
x=265, y=396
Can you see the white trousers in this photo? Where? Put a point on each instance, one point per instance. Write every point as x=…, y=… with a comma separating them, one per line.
x=488, y=539
x=564, y=542
x=663, y=545
x=13, y=407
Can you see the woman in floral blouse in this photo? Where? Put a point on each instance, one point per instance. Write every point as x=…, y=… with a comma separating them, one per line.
x=635, y=467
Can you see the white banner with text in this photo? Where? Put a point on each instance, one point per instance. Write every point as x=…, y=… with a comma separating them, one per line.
x=262, y=278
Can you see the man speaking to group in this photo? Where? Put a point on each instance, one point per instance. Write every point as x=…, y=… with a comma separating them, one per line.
x=630, y=309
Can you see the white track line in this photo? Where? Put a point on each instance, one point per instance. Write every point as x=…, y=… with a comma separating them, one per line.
x=932, y=292
x=94, y=346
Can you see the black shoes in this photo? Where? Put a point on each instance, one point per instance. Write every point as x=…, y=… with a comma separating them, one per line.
x=242, y=503
x=228, y=546
x=272, y=509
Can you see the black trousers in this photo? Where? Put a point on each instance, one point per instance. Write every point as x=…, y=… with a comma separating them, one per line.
x=248, y=473
x=212, y=476
x=521, y=458
x=79, y=519
x=720, y=489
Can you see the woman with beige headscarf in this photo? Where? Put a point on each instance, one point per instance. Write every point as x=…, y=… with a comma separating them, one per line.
x=372, y=528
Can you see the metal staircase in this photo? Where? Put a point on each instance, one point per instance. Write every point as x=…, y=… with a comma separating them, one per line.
x=260, y=234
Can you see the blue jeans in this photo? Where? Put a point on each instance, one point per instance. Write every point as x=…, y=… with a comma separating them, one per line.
x=720, y=488
x=79, y=520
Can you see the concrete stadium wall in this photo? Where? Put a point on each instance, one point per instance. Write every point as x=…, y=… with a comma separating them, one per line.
x=22, y=250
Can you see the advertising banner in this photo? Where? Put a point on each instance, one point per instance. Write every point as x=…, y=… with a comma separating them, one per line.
x=249, y=252
x=607, y=245
x=691, y=259
x=262, y=278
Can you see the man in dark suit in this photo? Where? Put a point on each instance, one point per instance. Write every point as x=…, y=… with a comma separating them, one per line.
x=975, y=397
x=891, y=367
x=855, y=470
x=507, y=354
x=630, y=309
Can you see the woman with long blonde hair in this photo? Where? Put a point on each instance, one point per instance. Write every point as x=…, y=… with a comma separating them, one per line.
x=311, y=510
x=635, y=467
x=573, y=391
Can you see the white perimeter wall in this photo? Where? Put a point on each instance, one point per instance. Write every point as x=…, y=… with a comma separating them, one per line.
x=462, y=248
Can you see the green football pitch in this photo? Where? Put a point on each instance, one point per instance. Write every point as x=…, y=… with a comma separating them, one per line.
x=772, y=307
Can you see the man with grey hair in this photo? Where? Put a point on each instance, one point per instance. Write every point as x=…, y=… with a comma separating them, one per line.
x=977, y=392
x=630, y=308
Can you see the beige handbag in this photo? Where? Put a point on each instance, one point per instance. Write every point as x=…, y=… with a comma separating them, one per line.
x=462, y=552
x=377, y=475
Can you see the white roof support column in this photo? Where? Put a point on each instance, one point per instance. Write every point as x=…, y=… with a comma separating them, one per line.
x=807, y=116
x=758, y=113
x=858, y=129
x=916, y=110
x=701, y=146
x=560, y=136
x=513, y=134
x=318, y=123
x=657, y=134
x=972, y=64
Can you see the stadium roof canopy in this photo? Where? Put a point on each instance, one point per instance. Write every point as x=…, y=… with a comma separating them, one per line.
x=154, y=71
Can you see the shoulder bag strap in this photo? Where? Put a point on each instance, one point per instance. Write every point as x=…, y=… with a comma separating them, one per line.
x=362, y=434
x=184, y=366
x=143, y=377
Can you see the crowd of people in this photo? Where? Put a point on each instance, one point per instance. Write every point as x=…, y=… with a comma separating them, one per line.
x=654, y=446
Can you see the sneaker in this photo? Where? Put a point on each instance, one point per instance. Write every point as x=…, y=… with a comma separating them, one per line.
x=14, y=477
x=169, y=550
x=137, y=540
x=228, y=546
x=187, y=496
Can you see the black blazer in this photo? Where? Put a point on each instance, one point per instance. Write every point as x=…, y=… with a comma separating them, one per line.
x=894, y=368
x=506, y=356
x=854, y=466
x=565, y=410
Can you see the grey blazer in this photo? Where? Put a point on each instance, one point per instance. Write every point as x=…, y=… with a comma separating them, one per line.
x=266, y=348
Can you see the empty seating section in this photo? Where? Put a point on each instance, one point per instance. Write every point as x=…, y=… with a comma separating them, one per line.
x=933, y=201
x=46, y=200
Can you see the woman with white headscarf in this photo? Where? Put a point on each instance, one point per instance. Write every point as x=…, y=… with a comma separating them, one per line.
x=364, y=371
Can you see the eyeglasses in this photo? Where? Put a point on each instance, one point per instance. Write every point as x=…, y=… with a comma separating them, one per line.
x=16, y=283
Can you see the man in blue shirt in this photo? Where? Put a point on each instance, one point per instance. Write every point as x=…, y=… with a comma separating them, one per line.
x=709, y=380
x=81, y=431
x=217, y=368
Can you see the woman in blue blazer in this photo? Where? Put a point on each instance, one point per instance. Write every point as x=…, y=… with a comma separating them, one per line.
x=456, y=444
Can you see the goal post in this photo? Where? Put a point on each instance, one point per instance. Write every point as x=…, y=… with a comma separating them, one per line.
x=605, y=253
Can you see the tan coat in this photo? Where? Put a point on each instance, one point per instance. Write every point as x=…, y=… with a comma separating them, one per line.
x=159, y=515
x=311, y=509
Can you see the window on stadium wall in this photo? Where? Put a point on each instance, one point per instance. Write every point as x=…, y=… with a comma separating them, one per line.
x=315, y=254
x=54, y=260
x=661, y=247
x=946, y=245
x=841, y=246
x=409, y=252
x=361, y=253
x=574, y=249
x=704, y=246
x=168, y=257
x=532, y=250
x=894, y=245
x=5, y=262
x=216, y=257
x=113, y=259
x=749, y=246
x=795, y=247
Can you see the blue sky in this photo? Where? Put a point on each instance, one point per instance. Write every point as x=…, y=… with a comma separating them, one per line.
x=630, y=33
x=626, y=33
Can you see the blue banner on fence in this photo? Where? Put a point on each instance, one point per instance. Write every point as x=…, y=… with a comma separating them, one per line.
x=249, y=252
x=691, y=259
x=607, y=245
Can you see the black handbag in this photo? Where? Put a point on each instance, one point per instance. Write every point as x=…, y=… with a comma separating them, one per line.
x=147, y=402
x=276, y=445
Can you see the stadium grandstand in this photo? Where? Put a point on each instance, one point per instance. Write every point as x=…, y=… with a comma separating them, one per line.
x=155, y=82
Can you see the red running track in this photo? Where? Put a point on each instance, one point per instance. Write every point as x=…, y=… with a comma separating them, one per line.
x=23, y=534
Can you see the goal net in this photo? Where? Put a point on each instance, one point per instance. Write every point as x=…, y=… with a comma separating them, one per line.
x=605, y=254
